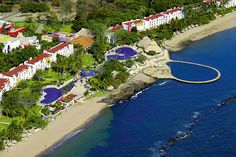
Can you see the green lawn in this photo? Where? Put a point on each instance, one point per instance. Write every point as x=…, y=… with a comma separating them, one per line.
x=51, y=77
x=88, y=60
x=66, y=28
x=19, y=24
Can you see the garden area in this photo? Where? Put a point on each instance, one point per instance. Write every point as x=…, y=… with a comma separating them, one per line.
x=88, y=61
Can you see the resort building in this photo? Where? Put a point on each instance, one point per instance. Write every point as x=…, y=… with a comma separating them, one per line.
x=84, y=41
x=84, y=32
x=26, y=41
x=151, y=21
x=17, y=74
x=11, y=43
x=46, y=38
x=230, y=3
x=4, y=86
x=41, y=62
x=84, y=38
x=63, y=49
x=29, y=68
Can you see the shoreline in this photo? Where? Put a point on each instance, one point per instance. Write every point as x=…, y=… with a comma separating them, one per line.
x=181, y=40
x=46, y=138
x=80, y=114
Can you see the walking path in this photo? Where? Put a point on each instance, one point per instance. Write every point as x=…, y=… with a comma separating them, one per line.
x=197, y=82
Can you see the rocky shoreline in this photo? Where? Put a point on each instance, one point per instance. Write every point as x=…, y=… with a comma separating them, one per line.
x=127, y=90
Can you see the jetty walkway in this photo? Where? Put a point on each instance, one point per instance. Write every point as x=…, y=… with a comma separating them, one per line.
x=197, y=82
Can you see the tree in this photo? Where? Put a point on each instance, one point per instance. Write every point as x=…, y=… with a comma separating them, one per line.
x=134, y=29
x=35, y=121
x=29, y=20
x=141, y=59
x=14, y=131
x=124, y=37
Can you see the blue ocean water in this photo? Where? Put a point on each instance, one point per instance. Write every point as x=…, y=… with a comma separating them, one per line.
x=140, y=126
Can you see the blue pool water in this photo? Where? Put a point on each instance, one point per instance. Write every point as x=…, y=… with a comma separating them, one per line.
x=89, y=73
x=123, y=53
x=141, y=126
x=52, y=94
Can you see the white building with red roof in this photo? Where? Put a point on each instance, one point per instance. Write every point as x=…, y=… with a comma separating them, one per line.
x=17, y=74
x=4, y=86
x=41, y=62
x=63, y=49
x=230, y=3
x=151, y=21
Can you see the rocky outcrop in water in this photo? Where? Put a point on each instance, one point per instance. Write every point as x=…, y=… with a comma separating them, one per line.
x=127, y=90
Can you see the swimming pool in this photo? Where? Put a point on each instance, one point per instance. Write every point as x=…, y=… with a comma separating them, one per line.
x=89, y=73
x=122, y=53
x=52, y=94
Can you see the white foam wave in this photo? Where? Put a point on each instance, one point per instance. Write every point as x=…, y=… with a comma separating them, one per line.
x=163, y=83
x=196, y=113
x=179, y=133
x=155, y=150
x=136, y=95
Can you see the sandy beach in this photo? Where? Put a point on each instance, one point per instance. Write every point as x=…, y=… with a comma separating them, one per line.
x=220, y=24
x=70, y=120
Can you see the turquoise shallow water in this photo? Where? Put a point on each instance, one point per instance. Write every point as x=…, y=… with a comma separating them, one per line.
x=140, y=126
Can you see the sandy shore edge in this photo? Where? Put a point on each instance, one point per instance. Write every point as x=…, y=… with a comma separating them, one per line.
x=180, y=41
x=69, y=121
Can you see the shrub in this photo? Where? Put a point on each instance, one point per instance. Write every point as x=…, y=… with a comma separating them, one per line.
x=5, y=8
x=151, y=53
x=33, y=7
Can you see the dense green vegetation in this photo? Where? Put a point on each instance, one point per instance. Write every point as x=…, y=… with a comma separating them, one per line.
x=113, y=73
x=16, y=57
x=112, y=12
x=123, y=37
x=68, y=65
x=5, y=9
x=33, y=7
x=20, y=110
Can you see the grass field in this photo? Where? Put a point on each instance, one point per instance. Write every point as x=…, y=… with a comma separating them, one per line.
x=88, y=60
x=66, y=28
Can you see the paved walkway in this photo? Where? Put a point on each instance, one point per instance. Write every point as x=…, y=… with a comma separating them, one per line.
x=197, y=82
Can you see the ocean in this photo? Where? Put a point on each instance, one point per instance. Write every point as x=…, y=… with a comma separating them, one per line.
x=144, y=125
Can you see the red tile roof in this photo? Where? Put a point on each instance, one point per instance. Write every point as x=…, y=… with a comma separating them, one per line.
x=38, y=58
x=207, y=1
x=131, y=22
x=84, y=41
x=57, y=48
x=116, y=28
x=16, y=70
x=171, y=11
x=68, y=98
x=3, y=83
x=152, y=17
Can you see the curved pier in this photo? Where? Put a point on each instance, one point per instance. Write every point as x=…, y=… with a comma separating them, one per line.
x=197, y=82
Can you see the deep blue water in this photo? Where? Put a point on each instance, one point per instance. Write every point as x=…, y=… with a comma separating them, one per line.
x=191, y=72
x=138, y=127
